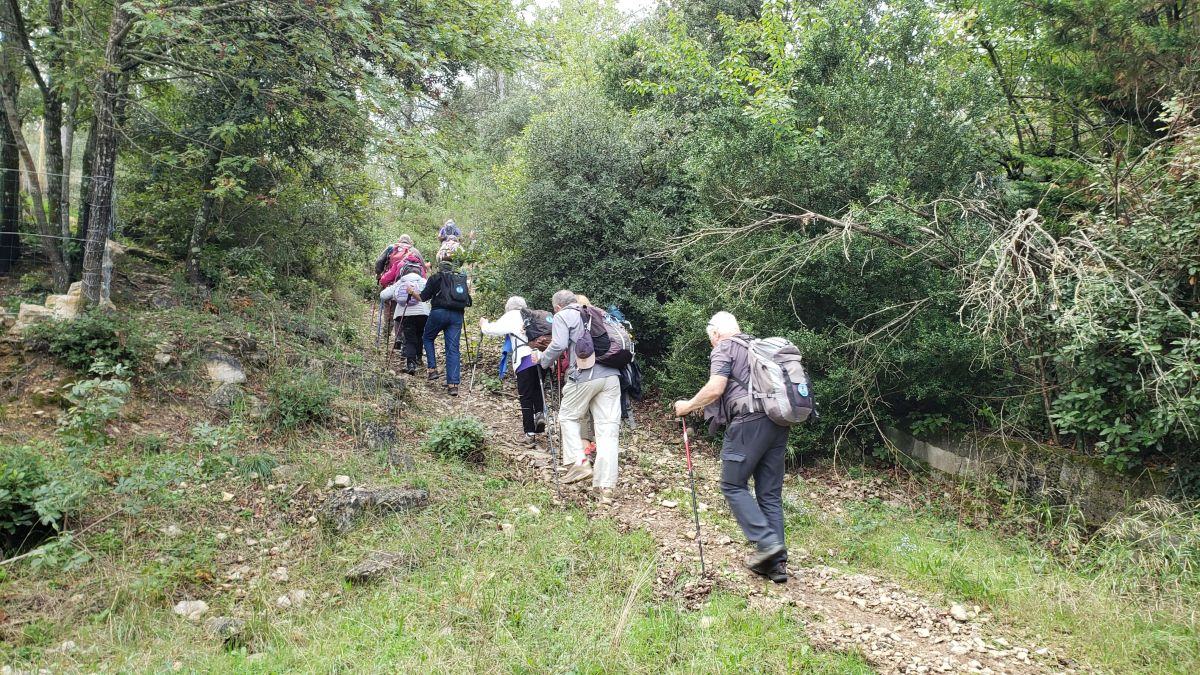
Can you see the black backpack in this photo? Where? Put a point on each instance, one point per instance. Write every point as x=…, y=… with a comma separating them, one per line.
x=455, y=292
x=536, y=323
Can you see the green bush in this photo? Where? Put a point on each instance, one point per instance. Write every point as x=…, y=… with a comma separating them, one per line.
x=457, y=438
x=30, y=497
x=299, y=401
x=92, y=338
x=83, y=428
x=22, y=472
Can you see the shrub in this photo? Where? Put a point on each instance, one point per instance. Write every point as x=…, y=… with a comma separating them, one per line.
x=29, y=497
x=456, y=437
x=22, y=472
x=92, y=338
x=94, y=402
x=298, y=401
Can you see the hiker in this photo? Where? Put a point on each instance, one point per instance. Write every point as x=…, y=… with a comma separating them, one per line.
x=404, y=248
x=511, y=325
x=411, y=314
x=449, y=249
x=590, y=387
x=587, y=432
x=449, y=296
x=754, y=446
x=449, y=229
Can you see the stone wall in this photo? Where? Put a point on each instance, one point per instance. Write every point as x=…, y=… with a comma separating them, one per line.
x=1038, y=472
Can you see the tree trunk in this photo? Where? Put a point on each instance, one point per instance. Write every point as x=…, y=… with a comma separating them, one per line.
x=49, y=236
x=68, y=152
x=85, y=201
x=52, y=119
x=104, y=161
x=203, y=221
x=10, y=185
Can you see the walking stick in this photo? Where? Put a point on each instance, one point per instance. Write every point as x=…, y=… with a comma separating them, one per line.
x=687, y=447
x=549, y=435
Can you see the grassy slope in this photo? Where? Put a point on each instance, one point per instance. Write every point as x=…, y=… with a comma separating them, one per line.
x=545, y=599
x=548, y=598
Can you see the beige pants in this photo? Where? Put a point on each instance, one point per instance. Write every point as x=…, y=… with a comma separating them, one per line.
x=601, y=397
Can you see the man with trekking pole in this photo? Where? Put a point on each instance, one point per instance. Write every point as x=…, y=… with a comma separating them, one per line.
x=757, y=389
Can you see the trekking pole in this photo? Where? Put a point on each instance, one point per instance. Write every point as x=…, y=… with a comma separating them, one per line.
x=478, y=356
x=687, y=448
x=549, y=434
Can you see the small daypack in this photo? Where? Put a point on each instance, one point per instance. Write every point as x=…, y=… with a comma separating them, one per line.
x=536, y=323
x=403, y=254
x=778, y=385
x=454, y=293
x=604, y=340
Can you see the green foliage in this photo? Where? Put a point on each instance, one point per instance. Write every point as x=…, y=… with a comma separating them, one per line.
x=589, y=214
x=298, y=400
x=32, y=493
x=460, y=438
x=94, y=337
x=94, y=403
x=22, y=473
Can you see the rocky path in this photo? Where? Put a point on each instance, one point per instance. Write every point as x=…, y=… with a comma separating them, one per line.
x=896, y=630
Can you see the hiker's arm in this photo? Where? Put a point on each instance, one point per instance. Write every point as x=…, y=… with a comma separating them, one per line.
x=381, y=261
x=502, y=326
x=389, y=293
x=431, y=287
x=710, y=392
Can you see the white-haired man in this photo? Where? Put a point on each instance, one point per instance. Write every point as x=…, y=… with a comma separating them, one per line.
x=596, y=390
x=754, y=446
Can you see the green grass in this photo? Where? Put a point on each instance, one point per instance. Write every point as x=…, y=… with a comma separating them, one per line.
x=550, y=597
x=1082, y=610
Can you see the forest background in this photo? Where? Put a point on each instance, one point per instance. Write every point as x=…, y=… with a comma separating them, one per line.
x=970, y=216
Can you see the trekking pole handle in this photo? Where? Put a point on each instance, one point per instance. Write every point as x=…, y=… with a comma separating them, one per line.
x=687, y=445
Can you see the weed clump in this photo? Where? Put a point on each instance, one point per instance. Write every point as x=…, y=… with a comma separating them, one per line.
x=94, y=337
x=456, y=438
x=300, y=401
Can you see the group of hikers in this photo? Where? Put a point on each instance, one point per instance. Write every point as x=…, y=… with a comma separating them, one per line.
x=756, y=388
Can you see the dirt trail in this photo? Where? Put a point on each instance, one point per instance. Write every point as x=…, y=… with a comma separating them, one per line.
x=897, y=631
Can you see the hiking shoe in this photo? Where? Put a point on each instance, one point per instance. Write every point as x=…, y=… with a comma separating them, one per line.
x=539, y=421
x=764, y=560
x=603, y=495
x=432, y=375
x=577, y=473
x=452, y=389
x=531, y=440
x=778, y=573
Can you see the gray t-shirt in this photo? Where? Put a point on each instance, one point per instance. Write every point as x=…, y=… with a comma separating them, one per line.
x=732, y=360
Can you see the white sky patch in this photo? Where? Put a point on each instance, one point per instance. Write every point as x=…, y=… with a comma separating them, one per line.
x=631, y=8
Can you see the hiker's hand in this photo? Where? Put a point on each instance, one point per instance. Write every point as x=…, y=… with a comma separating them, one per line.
x=682, y=408
x=482, y=322
x=534, y=356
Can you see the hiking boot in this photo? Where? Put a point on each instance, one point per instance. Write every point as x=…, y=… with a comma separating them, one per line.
x=603, y=495
x=432, y=375
x=577, y=473
x=410, y=368
x=764, y=560
x=539, y=422
x=531, y=440
x=778, y=573
x=452, y=389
